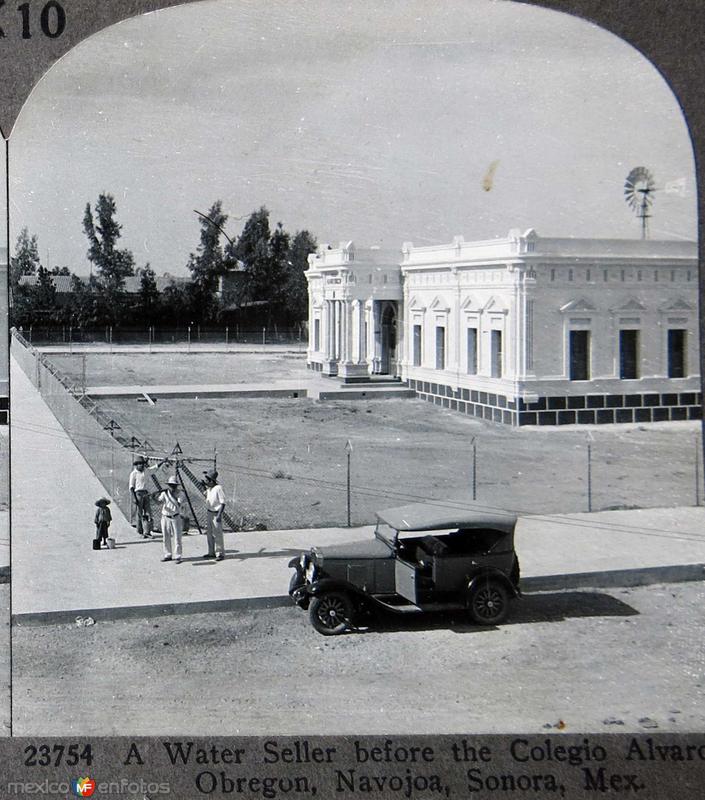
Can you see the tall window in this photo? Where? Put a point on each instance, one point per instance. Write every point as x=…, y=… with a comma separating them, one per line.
x=629, y=354
x=677, y=353
x=496, y=353
x=579, y=355
x=417, y=346
x=440, y=347
x=317, y=335
x=472, y=351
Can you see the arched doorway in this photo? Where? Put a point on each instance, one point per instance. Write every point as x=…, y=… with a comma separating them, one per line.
x=388, y=360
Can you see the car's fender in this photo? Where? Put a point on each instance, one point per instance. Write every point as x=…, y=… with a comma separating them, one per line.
x=495, y=574
x=335, y=585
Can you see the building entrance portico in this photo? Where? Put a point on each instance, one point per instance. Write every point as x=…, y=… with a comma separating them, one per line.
x=386, y=340
x=354, y=304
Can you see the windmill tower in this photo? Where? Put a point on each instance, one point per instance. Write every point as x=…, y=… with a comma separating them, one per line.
x=639, y=191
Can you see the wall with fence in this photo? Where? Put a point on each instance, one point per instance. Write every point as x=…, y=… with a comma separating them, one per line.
x=41, y=335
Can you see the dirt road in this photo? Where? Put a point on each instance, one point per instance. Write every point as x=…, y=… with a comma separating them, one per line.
x=614, y=661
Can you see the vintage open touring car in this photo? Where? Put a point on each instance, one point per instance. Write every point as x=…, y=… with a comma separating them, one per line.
x=423, y=557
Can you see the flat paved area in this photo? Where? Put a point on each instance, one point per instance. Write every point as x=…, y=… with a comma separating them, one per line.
x=314, y=387
x=4, y=540
x=4, y=659
x=57, y=571
x=606, y=661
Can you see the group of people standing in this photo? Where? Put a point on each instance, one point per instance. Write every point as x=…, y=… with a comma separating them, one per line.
x=172, y=502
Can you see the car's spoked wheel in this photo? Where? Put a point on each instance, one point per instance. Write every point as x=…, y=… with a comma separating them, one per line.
x=488, y=603
x=330, y=613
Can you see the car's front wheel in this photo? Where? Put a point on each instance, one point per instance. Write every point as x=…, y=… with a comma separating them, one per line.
x=488, y=602
x=331, y=612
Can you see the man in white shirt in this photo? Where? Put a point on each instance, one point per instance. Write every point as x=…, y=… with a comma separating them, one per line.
x=140, y=494
x=171, y=500
x=215, y=505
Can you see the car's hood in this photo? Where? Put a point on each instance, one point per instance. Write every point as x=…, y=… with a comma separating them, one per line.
x=369, y=548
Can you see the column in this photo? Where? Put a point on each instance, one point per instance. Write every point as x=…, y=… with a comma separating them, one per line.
x=328, y=329
x=362, y=344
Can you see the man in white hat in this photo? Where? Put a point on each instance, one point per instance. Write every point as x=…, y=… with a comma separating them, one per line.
x=140, y=495
x=215, y=505
x=171, y=500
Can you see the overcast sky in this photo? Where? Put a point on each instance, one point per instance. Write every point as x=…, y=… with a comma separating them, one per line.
x=351, y=120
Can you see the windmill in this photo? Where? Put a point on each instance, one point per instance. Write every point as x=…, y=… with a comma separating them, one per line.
x=639, y=191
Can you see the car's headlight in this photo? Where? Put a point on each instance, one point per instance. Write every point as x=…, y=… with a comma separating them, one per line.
x=302, y=560
x=310, y=572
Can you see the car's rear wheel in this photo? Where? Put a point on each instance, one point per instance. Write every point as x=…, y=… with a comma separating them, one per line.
x=331, y=613
x=488, y=602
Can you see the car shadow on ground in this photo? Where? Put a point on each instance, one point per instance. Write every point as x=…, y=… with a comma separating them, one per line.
x=531, y=608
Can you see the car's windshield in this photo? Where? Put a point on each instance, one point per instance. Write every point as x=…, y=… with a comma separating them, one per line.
x=386, y=533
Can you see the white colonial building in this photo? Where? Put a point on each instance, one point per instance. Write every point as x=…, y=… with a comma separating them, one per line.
x=523, y=330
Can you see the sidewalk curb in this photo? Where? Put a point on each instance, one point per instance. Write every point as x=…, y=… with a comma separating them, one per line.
x=607, y=579
x=149, y=611
x=677, y=573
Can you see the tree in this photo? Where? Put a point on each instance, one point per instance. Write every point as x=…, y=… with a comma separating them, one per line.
x=149, y=300
x=81, y=311
x=44, y=294
x=208, y=263
x=176, y=304
x=60, y=271
x=113, y=264
x=253, y=250
x=26, y=258
x=302, y=246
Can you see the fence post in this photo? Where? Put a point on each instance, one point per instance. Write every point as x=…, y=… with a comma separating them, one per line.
x=697, y=470
x=189, y=338
x=70, y=338
x=474, y=468
x=264, y=335
x=111, y=338
x=348, y=451
x=589, y=440
x=226, y=335
x=30, y=335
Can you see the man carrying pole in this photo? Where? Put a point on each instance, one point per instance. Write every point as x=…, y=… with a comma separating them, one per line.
x=215, y=505
x=171, y=500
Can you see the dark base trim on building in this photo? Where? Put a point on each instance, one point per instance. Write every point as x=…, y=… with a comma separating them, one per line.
x=591, y=409
x=4, y=410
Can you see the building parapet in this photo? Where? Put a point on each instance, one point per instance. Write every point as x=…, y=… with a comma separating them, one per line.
x=530, y=245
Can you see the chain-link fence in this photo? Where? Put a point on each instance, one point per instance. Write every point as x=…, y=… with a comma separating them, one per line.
x=223, y=335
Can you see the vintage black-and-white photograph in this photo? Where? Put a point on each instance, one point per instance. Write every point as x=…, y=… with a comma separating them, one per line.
x=355, y=378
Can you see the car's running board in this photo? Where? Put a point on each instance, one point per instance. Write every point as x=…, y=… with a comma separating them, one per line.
x=408, y=608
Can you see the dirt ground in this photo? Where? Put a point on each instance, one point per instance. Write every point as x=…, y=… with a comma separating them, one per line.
x=600, y=660
x=284, y=461
x=128, y=369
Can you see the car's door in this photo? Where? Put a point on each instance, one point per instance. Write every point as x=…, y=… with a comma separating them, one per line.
x=405, y=579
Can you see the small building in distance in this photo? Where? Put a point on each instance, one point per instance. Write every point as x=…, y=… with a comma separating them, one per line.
x=524, y=330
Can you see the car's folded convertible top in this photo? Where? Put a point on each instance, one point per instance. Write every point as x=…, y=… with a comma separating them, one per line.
x=437, y=516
